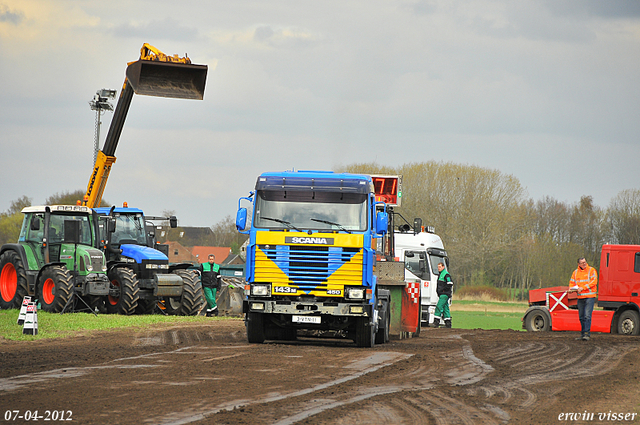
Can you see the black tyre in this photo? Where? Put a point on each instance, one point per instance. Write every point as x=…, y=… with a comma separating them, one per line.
x=382, y=336
x=629, y=323
x=365, y=335
x=192, y=294
x=255, y=328
x=13, y=280
x=95, y=303
x=172, y=305
x=537, y=320
x=146, y=306
x=417, y=332
x=123, y=292
x=55, y=288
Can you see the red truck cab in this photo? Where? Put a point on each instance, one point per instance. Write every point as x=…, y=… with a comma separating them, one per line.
x=618, y=301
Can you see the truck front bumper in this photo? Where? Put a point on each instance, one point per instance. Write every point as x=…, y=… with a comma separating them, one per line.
x=307, y=308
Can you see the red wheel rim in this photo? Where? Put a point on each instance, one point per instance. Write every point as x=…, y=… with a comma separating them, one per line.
x=48, y=291
x=114, y=300
x=8, y=282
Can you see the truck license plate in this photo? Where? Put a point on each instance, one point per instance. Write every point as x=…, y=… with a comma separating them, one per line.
x=306, y=319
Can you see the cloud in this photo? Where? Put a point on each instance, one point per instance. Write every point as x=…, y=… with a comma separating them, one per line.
x=165, y=29
x=8, y=15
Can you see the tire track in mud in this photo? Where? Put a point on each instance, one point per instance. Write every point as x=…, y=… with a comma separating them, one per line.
x=535, y=363
x=406, y=392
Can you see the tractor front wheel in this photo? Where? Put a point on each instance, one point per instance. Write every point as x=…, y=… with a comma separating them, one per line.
x=13, y=280
x=192, y=294
x=123, y=292
x=55, y=289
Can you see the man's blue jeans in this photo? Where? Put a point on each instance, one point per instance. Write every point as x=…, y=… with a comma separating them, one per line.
x=585, y=309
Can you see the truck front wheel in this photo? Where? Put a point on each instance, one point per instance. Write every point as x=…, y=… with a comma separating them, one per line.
x=255, y=328
x=537, y=320
x=55, y=289
x=365, y=335
x=629, y=323
x=13, y=281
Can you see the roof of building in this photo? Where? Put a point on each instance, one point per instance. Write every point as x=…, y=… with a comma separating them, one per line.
x=202, y=253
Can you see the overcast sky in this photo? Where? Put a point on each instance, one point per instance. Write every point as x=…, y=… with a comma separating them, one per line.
x=548, y=91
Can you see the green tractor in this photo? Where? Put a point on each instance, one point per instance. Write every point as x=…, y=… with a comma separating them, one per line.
x=54, y=260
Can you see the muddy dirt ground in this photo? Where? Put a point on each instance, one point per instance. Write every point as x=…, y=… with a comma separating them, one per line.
x=209, y=374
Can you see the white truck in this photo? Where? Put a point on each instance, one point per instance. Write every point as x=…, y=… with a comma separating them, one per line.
x=420, y=249
x=421, y=252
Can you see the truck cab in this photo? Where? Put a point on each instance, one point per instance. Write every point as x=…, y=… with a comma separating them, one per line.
x=310, y=259
x=421, y=252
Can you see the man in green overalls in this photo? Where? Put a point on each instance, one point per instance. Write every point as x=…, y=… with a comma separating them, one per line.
x=444, y=291
x=210, y=277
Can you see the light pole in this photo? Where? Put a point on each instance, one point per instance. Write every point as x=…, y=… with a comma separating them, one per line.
x=100, y=103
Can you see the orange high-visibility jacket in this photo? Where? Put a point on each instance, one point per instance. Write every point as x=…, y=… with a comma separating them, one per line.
x=586, y=280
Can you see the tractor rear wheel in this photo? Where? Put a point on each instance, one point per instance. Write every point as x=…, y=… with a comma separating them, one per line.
x=13, y=280
x=55, y=289
x=123, y=292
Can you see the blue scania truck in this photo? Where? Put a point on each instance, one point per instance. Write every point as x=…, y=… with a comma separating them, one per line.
x=311, y=257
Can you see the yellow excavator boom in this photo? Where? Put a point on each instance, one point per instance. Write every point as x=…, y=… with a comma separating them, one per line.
x=154, y=74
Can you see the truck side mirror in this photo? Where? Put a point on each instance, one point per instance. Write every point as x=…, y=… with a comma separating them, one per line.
x=382, y=223
x=241, y=219
x=173, y=221
x=35, y=223
x=111, y=226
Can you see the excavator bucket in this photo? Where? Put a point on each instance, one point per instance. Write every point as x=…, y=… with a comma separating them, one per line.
x=167, y=79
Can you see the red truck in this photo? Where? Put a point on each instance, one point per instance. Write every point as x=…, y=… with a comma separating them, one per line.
x=555, y=309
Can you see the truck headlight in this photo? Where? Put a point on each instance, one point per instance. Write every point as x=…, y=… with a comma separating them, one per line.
x=355, y=293
x=261, y=290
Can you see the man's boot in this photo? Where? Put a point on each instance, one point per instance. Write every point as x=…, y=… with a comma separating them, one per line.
x=447, y=323
x=436, y=323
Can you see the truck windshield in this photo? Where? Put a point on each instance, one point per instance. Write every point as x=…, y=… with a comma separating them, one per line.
x=129, y=229
x=435, y=259
x=309, y=210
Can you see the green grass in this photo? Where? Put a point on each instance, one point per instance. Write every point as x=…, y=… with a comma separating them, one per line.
x=486, y=320
x=52, y=325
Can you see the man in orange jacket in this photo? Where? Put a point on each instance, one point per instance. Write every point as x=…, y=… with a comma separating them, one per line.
x=584, y=281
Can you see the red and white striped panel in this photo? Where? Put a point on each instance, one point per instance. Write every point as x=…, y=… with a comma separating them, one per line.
x=413, y=289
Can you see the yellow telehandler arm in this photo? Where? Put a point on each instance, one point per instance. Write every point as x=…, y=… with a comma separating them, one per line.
x=154, y=74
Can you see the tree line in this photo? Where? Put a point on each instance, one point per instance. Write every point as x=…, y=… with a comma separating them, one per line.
x=495, y=235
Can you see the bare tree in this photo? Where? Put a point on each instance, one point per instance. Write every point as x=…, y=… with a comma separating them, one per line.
x=623, y=216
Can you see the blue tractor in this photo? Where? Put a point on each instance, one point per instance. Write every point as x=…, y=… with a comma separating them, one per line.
x=139, y=270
